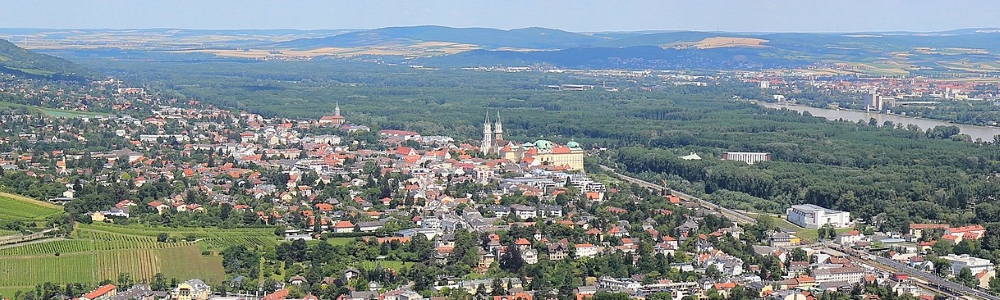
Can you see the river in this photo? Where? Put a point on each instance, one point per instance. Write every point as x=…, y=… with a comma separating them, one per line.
x=976, y=132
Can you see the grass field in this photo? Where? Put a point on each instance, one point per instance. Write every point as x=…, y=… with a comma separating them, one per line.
x=52, y=112
x=392, y=264
x=102, y=251
x=17, y=207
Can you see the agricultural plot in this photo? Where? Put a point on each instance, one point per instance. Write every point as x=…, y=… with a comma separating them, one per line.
x=31, y=270
x=22, y=208
x=221, y=243
x=49, y=248
x=140, y=263
x=111, y=241
x=99, y=252
x=187, y=262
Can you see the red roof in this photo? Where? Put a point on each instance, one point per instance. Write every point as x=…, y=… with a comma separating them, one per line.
x=100, y=291
x=522, y=241
x=343, y=224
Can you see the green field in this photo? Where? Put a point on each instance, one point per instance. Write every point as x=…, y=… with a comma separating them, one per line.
x=210, y=239
x=103, y=251
x=52, y=112
x=22, y=208
x=391, y=264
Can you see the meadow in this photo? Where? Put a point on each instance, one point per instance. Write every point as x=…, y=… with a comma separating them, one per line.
x=23, y=208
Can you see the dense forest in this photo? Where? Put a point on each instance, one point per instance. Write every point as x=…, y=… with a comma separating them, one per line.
x=891, y=176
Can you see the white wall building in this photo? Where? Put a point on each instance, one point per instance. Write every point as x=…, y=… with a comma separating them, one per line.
x=747, y=157
x=974, y=264
x=812, y=216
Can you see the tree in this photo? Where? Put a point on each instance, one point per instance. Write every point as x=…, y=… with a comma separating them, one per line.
x=158, y=282
x=162, y=237
x=799, y=255
x=965, y=277
x=511, y=260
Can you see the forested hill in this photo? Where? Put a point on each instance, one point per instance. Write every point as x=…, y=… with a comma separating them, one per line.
x=22, y=62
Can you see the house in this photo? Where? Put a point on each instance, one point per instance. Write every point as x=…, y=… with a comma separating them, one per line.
x=343, y=227
x=585, y=250
x=557, y=251
x=100, y=293
x=972, y=232
x=193, y=289
x=530, y=256
x=514, y=296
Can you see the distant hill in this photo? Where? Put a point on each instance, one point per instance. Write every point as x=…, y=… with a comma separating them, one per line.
x=19, y=61
x=533, y=38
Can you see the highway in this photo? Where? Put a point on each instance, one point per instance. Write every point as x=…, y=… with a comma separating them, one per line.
x=728, y=213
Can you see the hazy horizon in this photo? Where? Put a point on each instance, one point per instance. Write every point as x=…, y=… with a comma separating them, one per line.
x=576, y=16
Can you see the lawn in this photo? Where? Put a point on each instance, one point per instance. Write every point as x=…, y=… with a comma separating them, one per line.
x=17, y=207
x=52, y=112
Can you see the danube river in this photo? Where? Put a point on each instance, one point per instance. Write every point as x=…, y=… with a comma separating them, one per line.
x=976, y=132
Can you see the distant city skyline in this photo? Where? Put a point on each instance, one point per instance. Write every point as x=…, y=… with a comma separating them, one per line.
x=569, y=15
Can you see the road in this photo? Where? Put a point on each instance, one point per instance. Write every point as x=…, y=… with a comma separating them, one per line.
x=728, y=213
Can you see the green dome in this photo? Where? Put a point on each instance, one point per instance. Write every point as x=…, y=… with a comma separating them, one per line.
x=543, y=144
x=573, y=144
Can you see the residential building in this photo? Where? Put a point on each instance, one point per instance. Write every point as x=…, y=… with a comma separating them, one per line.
x=193, y=289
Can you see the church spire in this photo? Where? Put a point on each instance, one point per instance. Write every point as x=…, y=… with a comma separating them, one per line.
x=336, y=110
x=487, y=136
x=498, y=129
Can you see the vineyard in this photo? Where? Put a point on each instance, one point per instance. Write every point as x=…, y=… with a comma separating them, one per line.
x=141, y=264
x=210, y=238
x=99, y=252
x=51, y=248
x=29, y=271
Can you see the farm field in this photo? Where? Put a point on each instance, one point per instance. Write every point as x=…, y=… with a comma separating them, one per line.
x=99, y=252
x=23, y=208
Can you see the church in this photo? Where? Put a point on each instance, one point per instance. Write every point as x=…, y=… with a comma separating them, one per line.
x=335, y=120
x=538, y=153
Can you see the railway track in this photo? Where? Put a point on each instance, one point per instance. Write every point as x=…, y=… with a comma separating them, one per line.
x=728, y=213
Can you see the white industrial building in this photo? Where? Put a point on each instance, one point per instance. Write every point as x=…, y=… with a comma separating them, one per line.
x=813, y=216
x=747, y=157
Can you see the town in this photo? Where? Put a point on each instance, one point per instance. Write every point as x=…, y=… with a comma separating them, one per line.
x=358, y=213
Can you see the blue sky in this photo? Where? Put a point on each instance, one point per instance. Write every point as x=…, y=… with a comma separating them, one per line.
x=571, y=15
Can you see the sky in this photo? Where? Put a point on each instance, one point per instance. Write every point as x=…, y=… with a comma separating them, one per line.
x=570, y=15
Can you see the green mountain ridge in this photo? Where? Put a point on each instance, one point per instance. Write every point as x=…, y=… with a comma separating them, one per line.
x=22, y=62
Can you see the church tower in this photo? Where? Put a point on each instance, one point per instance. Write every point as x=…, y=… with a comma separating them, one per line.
x=336, y=110
x=498, y=129
x=487, y=136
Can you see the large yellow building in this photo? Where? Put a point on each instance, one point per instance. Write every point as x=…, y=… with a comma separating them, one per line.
x=545, y=153
x=193, y=289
